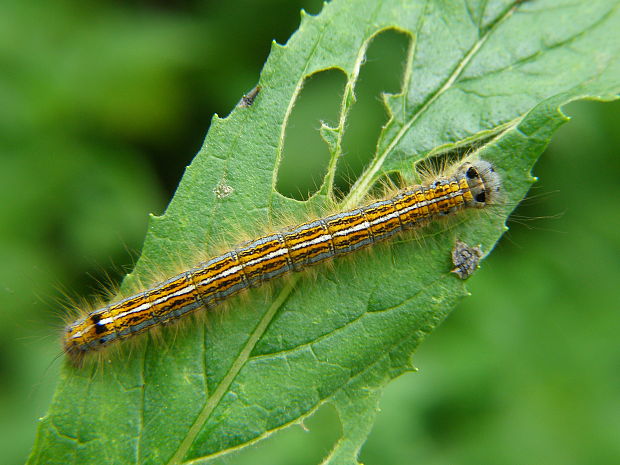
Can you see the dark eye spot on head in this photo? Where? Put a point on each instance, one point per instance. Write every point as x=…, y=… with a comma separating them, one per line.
x=472, y=173
x=481, y=197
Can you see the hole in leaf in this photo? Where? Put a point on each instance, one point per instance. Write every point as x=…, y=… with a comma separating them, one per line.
x=438, y=161
x=386, y=59
x=294, y=445
x=306, y=155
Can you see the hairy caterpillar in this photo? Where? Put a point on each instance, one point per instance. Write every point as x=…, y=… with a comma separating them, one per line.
x=473, y=184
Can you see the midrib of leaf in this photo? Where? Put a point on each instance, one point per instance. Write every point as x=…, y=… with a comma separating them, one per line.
x=356, y=195
x=222, y=388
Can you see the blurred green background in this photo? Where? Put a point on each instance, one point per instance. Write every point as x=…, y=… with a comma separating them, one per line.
x=103, y=105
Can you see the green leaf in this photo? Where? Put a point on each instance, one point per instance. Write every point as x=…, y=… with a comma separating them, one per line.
x=489, y=74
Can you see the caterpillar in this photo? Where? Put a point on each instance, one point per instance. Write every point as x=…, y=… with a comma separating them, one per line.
x=472, y=184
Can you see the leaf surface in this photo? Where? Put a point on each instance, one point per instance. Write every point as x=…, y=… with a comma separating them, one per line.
x=491, y=73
